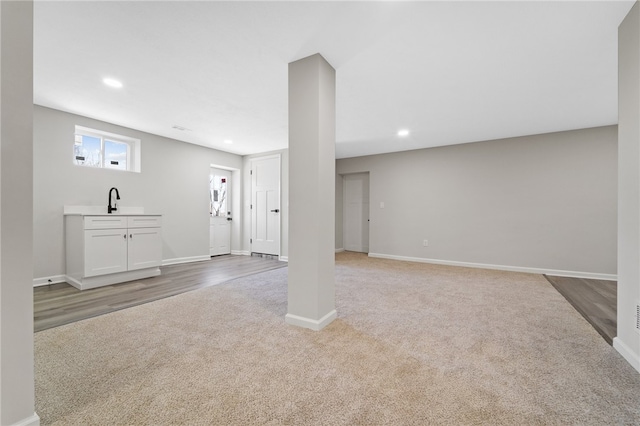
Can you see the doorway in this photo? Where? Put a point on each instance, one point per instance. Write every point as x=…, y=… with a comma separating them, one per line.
x=219, y=212
x=355, y=213
x=265, y=205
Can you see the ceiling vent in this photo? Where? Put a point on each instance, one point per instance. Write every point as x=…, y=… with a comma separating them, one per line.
x=638, y=317
x=182, y=129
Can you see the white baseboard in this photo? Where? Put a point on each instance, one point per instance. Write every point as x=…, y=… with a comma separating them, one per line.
x=33, y=420
x=339, y=250
x=283, y=258
x=315, y=325
x=179, y=260
x=624, y=350
x=37, y=282
x=241, y=252
x=557, y=272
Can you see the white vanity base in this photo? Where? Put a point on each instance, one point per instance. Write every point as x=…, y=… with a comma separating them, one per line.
x=104, y=249
x=119, y=277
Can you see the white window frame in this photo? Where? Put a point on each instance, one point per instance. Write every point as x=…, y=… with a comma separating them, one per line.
x=133, y=151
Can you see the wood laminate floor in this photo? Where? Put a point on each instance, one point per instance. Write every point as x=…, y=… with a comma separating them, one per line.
x=59, y=304
x=596, y=300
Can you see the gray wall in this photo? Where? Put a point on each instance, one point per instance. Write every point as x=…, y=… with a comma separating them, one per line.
x=174, y=182
x=544, y=202
x=628, y=340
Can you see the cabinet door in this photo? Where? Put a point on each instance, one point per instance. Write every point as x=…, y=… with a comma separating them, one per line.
x=105, y=251
x=145, y=248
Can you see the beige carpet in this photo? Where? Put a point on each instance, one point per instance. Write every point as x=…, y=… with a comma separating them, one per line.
x=413, y=344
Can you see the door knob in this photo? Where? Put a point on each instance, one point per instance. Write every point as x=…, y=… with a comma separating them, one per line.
x=276, y=211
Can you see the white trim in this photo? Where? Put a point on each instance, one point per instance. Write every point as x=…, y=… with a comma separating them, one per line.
x=557, y=272
x=178, y=260
x=101, y=133
x=283, y=258
x=264, y=157
x=315, y=325
x=33, y=420
x=241, y=252
x=227, y=168
x=624, y=350
x=53, y=279
x=339, y=250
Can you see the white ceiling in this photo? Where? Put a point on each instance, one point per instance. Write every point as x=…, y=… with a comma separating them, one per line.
x=450, y=72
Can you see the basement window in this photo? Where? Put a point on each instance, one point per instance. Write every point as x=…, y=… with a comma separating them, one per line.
x=95, y=148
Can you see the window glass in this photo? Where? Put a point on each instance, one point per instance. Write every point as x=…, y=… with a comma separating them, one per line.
x=115, y=155
x=217, y=195
x=88, y=151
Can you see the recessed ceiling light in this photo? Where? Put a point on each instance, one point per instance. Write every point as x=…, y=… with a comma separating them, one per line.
x=403, y=132
x=112, y=82
x=228, y=141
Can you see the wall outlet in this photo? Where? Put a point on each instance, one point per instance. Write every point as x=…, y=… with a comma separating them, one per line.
x=425, y=243
x=382, y=204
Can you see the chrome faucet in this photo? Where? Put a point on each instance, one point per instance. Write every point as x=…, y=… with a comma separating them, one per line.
x=115, y=205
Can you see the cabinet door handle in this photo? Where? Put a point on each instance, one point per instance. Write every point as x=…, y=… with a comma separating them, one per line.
x=131, y=236
x=125, y=236
x=276, y=211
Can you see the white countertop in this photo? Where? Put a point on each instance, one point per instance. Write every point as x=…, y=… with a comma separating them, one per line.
x=102, y=211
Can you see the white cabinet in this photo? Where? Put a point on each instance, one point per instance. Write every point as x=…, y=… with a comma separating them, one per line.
x=103, y=250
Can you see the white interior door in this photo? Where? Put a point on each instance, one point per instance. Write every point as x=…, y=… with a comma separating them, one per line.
x=356, y=212
x=219, y=212
x=265, y=205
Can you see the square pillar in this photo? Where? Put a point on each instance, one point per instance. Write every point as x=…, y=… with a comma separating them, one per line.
x=312, y=86
x=627, y=341
x=17, y=400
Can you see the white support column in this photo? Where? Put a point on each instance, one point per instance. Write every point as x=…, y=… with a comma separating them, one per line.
x=627, y=341
x=17, y=400
x=311, y=193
